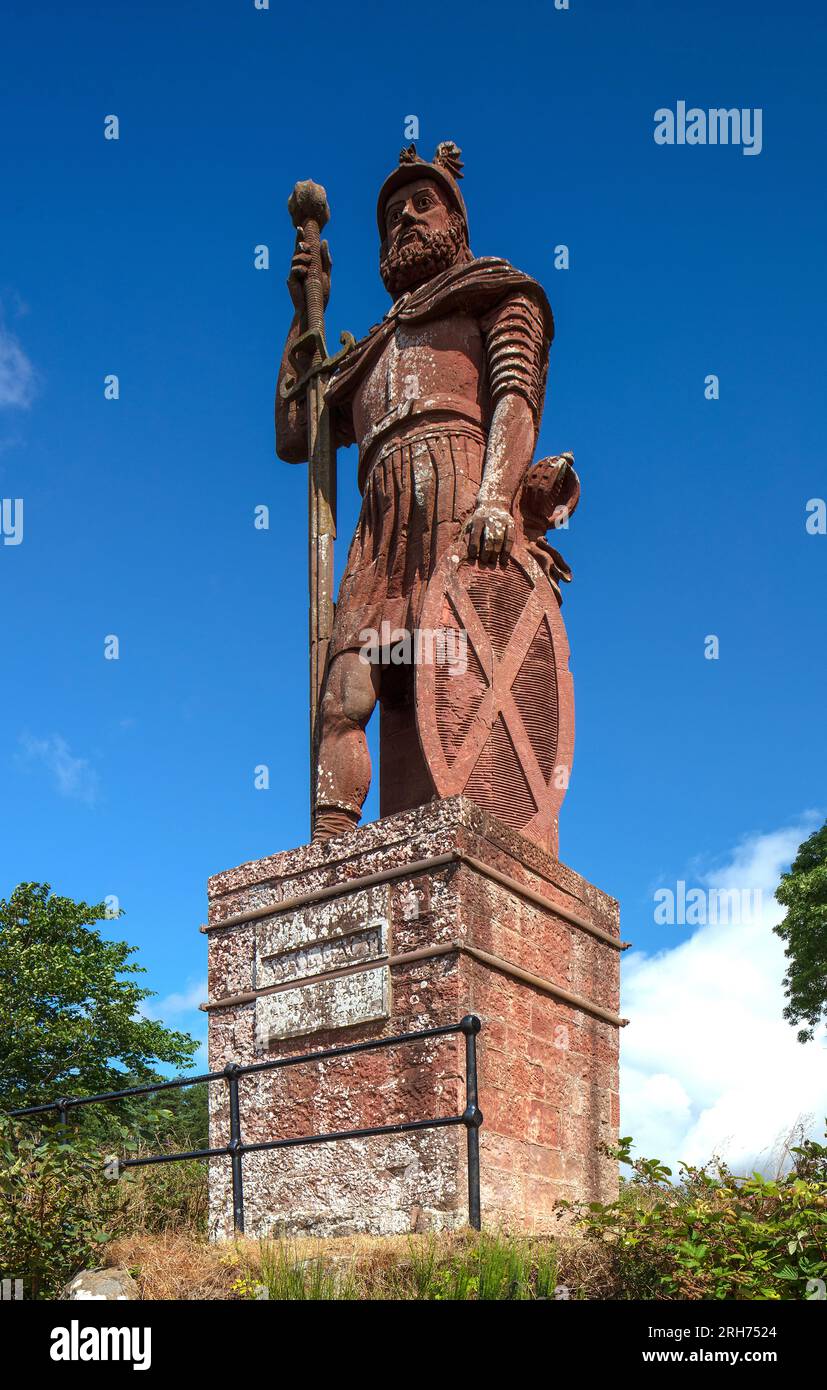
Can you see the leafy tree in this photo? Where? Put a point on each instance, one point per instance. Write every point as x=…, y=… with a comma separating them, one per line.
x=803, y=891
x=70, y=1021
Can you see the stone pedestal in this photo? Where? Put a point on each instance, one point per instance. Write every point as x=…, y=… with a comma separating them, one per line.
x=410, y=922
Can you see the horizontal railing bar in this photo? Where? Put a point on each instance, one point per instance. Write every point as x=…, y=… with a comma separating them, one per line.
x=349, y=1048
x=34, y=1109
x=439, y=1123
x=223, y=1151
x=270, y=1065
x=67, y=1101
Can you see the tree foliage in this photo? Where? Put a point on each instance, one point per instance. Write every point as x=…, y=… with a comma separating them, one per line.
x=803, y=891
x=70, y=1006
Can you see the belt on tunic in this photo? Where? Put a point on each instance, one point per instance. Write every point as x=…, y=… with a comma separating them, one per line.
x=427, y=405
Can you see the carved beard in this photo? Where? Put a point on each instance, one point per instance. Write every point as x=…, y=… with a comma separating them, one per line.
x=427, y=254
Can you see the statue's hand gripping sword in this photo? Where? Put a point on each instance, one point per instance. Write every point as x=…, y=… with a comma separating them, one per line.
x=309, y=211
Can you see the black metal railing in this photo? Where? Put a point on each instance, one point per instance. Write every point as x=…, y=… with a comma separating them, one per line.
x=235, y=1150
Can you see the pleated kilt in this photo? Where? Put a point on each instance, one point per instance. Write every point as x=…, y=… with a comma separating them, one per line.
x=419, y=491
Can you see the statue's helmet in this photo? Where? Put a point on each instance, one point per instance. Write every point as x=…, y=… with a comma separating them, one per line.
x=445, y=169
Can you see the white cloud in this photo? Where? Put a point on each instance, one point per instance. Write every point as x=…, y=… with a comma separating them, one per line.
x=172, y=1010
x=709, y=1065
x=73, y=777
x=180, y=1002
x=17, y=377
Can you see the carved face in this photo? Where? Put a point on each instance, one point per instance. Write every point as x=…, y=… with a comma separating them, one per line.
x=423, y=236
x=418, y=205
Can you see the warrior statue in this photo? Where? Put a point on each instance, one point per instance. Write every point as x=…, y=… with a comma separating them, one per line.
x=443, y=399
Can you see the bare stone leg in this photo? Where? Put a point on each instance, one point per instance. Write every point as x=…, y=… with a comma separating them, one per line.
x=350, y=695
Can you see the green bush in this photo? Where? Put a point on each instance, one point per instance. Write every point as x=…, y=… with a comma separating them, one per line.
x=712, y=1235
x=61, y=1202
x=57, y=1207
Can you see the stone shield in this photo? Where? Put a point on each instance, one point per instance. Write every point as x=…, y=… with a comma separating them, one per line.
x=494, y=694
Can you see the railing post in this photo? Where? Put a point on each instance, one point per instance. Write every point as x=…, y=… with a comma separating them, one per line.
x=62, y=1108
x=472, y=1118
x=231, y=1071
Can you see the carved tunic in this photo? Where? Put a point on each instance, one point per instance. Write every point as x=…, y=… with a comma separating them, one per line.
x=419, y=399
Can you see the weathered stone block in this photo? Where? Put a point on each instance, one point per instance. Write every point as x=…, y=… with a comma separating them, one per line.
x=459, y=914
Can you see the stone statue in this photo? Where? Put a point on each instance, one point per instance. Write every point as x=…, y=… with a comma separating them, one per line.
x=444, y=399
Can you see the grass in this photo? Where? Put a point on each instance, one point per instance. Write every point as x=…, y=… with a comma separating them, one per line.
x=461, y=1266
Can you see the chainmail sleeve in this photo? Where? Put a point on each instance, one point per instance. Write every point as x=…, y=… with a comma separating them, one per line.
x=517, y=347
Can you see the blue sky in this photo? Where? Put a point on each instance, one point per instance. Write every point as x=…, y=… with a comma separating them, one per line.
x=135, y=777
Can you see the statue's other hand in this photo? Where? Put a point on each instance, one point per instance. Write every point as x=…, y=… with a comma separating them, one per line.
x=299, y=268
x=489, y=532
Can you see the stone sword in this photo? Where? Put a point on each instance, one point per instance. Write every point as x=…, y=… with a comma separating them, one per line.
x=310, y=213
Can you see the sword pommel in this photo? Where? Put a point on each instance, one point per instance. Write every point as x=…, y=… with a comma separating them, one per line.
x=308, y=203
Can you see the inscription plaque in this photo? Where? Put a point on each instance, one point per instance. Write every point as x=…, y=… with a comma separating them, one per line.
x=308, y=956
